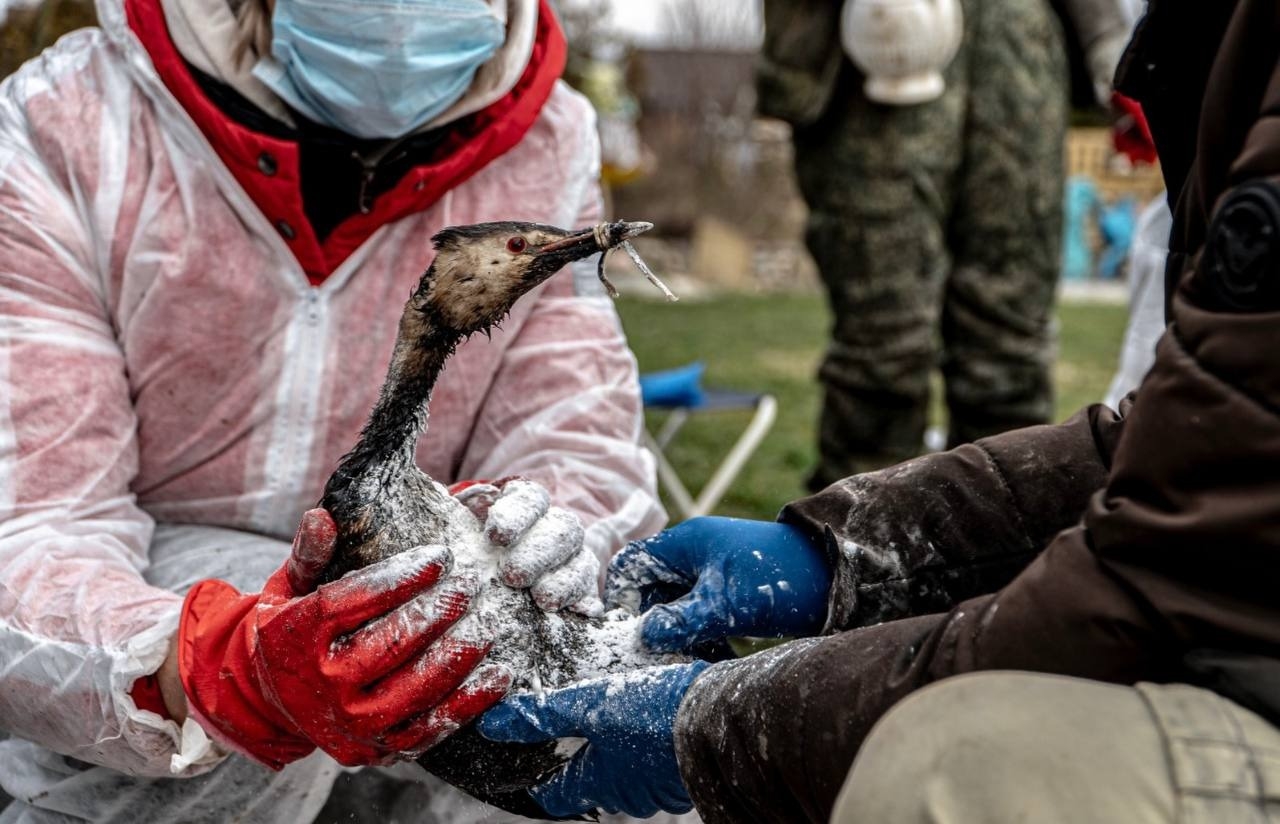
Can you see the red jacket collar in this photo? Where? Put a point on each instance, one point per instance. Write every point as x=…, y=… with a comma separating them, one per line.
x=474, y=142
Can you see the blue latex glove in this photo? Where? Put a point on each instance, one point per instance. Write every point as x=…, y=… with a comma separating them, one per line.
x=628, y=764
x=722, y=577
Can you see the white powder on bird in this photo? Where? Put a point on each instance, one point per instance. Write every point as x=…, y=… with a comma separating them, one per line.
x=543, y=650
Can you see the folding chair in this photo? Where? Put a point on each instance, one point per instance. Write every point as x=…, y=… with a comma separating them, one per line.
x=680, y=392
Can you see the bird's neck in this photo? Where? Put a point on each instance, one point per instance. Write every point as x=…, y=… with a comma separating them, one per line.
x=390, y=437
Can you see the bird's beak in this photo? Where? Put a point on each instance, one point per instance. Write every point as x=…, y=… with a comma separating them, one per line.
x=587, y=242
x=625, y=230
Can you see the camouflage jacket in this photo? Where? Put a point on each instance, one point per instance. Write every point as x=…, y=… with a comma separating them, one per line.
x=802, y=57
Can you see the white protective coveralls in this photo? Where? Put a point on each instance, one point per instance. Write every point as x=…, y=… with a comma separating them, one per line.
x=174, y=393
x=1145, y=272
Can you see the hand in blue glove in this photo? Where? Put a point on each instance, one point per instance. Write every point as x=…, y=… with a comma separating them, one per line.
x=628, y=764
x=723, y=577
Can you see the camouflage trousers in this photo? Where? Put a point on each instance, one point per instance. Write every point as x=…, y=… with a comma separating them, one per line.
x=936, y=229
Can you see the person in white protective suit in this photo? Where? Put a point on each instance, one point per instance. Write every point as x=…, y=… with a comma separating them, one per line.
x=211, y=212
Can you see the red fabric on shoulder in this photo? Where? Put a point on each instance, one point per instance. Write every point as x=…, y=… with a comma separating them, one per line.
x=146, y=695
x=474, y=142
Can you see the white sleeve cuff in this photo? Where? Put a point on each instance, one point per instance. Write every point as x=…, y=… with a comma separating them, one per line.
x=186, y=750
x=196, y=750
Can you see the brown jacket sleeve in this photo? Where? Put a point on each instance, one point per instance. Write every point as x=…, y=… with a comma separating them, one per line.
x=1175, y=559
x=922, y=536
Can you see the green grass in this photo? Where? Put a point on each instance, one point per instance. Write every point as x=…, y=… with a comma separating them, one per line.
x=773, y=343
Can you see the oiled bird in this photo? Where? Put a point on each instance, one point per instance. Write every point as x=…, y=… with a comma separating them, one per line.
x=383, y=504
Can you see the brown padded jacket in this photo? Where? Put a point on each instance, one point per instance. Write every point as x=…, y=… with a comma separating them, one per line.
x=1166, y=564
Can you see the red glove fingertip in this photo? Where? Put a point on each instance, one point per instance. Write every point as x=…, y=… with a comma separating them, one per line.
x=313, y=546
x=476, y=496
x=361, y=596
x=488, y=685
x=462, y=486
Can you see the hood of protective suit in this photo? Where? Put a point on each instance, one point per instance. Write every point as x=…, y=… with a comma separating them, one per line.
x=207, y=34
x=504, y=101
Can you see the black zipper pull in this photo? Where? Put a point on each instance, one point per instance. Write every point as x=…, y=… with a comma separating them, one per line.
x=369, y=167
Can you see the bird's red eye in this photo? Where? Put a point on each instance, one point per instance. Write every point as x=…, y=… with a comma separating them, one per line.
x=516, y=245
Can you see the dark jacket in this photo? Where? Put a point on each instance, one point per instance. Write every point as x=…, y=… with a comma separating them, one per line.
x=1167, y=564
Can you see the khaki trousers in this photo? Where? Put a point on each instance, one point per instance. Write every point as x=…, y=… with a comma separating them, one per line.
x=991, y=748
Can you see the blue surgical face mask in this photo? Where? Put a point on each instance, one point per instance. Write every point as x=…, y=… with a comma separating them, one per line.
x=378, y=68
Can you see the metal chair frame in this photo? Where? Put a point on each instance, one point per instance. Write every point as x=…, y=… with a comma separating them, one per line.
x=765, y=412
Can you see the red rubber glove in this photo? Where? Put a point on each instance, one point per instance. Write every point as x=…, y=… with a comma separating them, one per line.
x=362, y=667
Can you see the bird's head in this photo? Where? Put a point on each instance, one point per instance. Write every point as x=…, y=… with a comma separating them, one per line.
x=481, y=270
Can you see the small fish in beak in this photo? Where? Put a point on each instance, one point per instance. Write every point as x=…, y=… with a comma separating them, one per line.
x=610, y=236
x=604, y=238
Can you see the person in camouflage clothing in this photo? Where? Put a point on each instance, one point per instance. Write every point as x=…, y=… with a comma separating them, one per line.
x=936, y=227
